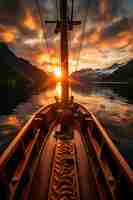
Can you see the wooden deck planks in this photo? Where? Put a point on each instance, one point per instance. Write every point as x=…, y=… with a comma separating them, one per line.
x=87, y=190
x=40, y=185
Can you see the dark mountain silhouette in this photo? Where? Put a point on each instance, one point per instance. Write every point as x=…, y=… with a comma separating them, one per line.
x=85, y=75
x=124, y=73
x=116, y=72
x=18, y=78
x=22, y=67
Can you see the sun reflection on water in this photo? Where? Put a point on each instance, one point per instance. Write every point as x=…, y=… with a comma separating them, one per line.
x=58, y=90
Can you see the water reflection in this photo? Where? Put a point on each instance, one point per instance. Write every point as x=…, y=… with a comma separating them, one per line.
x=114, y=112
x=58, y=90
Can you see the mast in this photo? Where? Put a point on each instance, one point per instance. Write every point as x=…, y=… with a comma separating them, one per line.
x=64, y=25
x=64, y=49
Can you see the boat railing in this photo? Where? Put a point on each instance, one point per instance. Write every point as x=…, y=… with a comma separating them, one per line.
x=107, y=162
x=18, y=163
x=19, y=160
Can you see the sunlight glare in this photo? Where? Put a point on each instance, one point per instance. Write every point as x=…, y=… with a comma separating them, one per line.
x=57, y=72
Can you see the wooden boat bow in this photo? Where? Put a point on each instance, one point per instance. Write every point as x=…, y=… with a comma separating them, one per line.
x=43, y=143
x=63, y=152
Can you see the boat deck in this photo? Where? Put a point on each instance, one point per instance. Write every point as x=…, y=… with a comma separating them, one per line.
x=62, y=172
x=64, y=154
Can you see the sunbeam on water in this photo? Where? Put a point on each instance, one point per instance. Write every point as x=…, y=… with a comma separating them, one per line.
x=58, y=90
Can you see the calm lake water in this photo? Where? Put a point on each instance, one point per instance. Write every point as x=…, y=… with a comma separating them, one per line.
x=113, y=107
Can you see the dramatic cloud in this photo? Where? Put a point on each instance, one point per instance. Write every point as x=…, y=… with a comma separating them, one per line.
x=122, y=25
x=108, y=36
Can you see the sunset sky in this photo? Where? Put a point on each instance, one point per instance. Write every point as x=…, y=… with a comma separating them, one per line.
x=108, y=35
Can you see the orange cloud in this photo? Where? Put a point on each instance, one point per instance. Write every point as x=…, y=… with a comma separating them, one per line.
x=95, y=36
x=8, y=34
x=104, y=9
x=29, y=21
x=119, y=41
x=41, y=58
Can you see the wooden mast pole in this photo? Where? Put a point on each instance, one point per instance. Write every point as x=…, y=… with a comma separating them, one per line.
x=64, y=25
x=64, y=49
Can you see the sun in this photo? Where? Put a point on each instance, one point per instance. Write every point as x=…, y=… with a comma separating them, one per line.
x=57, y=72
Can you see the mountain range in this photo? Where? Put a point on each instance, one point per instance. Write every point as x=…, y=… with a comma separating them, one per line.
x=115, y=73
x=18, y=78
x=123, y=73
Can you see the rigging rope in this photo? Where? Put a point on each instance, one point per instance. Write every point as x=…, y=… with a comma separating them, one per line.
x=57, y=19
x=72, y=9
x=82, y=39
x=37, y=3
x=77, y=12
x=71, y=14
x=57, y=10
